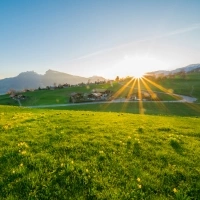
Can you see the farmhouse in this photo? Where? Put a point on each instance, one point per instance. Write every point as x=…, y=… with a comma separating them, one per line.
x=95, y=95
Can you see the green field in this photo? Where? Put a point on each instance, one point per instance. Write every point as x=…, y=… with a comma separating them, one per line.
x=150, y=108
x=61, y=96
x=189, y=86
x=48, y=154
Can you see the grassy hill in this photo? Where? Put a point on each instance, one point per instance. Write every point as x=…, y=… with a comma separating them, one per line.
x=189, y=85
x=150, y=108
x=48, y=154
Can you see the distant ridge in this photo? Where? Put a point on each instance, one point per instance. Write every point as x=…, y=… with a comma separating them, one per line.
x=188, y=68
x=32, y=80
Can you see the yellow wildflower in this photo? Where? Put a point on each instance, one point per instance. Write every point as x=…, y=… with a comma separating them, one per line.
x=175, y=190
x=23, y=152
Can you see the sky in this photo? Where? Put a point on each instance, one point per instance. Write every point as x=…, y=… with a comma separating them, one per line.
x=89, y=37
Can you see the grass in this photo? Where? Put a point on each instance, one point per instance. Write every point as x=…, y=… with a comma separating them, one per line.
x=51, y=154
x=48, y=97
x=150, y=108
x=189, y=86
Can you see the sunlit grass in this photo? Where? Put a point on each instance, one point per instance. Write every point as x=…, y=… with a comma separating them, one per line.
x=46, y=154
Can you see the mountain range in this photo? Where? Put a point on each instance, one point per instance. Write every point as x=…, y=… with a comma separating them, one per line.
x=32, y=80
x=188, y=68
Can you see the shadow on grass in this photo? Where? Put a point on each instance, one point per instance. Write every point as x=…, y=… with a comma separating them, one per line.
x=176, y=146
x=136, y=149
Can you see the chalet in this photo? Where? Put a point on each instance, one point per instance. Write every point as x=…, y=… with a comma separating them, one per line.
x=17, y=96
x=76, y=97
x=95, y=95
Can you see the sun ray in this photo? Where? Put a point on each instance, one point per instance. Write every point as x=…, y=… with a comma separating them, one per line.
x=129, y=95
x=118, y=93
x=131, y=90
x=141, y=109
x=122, y=89
x=167, y=91
x=160, y=104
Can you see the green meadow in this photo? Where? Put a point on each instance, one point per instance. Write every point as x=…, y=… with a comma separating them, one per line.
x=61, y=96
x=132, y=150
x=59, y=154
x=149, y=108
x=189, y=86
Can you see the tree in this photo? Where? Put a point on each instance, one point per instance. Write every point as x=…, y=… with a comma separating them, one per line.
x=117, y=78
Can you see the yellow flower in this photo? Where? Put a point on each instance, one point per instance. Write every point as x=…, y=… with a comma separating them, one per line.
x=140, y=186
x=21, y=165
x=138, y=179
x=23, y=152
x=175, y=190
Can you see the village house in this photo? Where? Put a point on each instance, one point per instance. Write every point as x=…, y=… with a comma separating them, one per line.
x=95, y=95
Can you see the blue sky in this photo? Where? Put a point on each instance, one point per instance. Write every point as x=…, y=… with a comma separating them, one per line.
x=105, y=37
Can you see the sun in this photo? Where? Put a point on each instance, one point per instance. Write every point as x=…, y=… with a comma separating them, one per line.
x=138, y=74
x=139, y=65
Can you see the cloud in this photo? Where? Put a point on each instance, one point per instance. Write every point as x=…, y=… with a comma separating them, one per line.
x=180, y=31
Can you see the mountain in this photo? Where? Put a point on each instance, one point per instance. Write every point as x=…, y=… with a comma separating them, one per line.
x=96, y=78
x=33, y=80
x=188, y=68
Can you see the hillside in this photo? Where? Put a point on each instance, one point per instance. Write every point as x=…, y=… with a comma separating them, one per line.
x=87, y=155
x=189, y=84
x=32, y=80
x=187, y=69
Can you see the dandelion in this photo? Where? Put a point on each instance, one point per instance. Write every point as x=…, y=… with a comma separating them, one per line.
x=23, y=152
x=13, y=171
x=87, y=170
x=139, y=186
x=21, y=165
x=175, y=190
x=72, y=162
x=138, y=179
